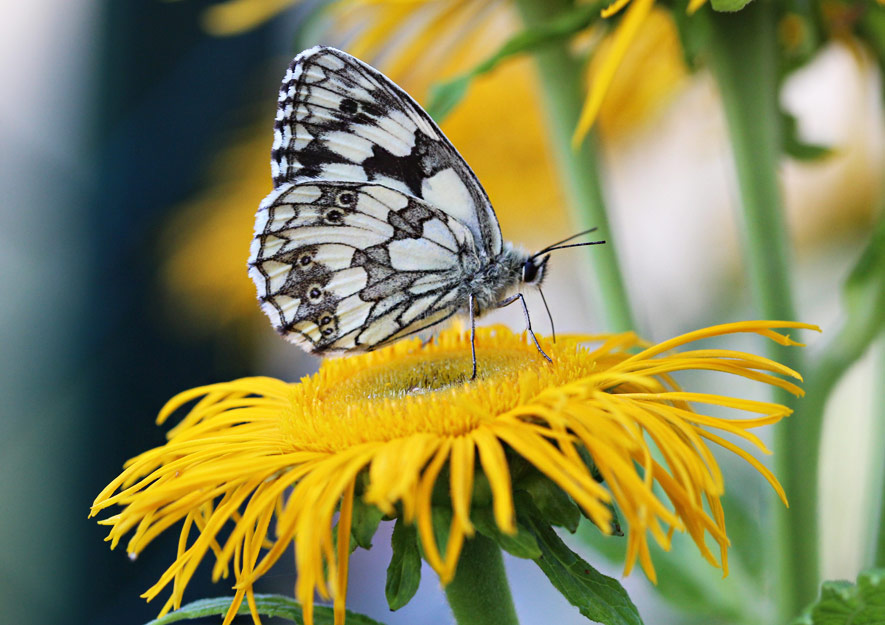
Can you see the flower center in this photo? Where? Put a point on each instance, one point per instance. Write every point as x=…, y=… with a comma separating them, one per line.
x=428, y=373
x=410, y=388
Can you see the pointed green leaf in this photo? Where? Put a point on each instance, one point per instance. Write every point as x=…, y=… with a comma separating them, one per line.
x=844, y=603
x=404, y=571
x=598, y=597
x=268, y=605
x=441, y=518
x=365, y=522
x=445, y=96
x=522, y=544
x=694, y=31
x=687, y=582
x=868, y=274
x=729, y=6
x=555, y=506
x=794, y=146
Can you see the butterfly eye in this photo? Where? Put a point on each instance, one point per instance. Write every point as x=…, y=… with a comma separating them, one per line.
x=305, y=260
x=325, y=320
x=529, y=271
x=314, y=293
x=345, y=198
x=327, y=331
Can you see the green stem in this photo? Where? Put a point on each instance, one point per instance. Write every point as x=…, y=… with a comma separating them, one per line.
x=879, y=431
x=562, y=78
x=479, y=594
x=745, y=64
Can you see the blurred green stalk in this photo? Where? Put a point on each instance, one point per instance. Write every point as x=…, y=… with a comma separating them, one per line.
x=745, y=64
x=879, y=413
x=562, y=80
x=479, y=593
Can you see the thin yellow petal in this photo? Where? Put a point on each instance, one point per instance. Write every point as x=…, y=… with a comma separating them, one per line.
x=238, y=16
x=626, y=32
x=345, y=519
x=494, y=467
x=461, y=480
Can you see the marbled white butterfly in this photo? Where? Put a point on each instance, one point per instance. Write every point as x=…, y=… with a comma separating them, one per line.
x=376, y=228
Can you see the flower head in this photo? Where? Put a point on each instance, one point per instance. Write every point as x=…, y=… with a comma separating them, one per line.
x=607, y=426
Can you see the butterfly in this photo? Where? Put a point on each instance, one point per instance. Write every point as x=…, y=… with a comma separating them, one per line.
x=376, y=227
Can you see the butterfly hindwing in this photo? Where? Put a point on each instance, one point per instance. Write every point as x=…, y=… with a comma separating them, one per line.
x=343, y=266
x=341, y=120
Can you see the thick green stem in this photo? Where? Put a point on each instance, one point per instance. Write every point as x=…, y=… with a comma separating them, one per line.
x=879, y=431
x=479, y=594
x=745, y=64
x=562, y=80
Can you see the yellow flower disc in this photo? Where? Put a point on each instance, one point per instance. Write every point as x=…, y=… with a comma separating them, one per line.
x=413, y=388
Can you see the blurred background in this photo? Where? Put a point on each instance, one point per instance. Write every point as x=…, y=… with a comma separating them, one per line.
x=134, y=149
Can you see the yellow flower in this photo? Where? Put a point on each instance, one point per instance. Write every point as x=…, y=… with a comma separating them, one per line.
x=388, y=425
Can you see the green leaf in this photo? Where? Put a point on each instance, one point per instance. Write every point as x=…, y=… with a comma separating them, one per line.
x=689, y=583
x=729, y=6
x=598, y=597
x=844, y=603
x=796, y=147
x=268, y=605
x=694, y=33
x=555, y=506
x=871, y=29
x=441, y=518
x=365, y=522
x=404, y=571
x=865, y=281
x=445, y=96
x=522, y=544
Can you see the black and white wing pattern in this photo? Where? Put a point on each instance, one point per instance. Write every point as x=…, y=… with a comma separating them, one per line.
x=340, y=119
x=376, y=225
x=343, y=266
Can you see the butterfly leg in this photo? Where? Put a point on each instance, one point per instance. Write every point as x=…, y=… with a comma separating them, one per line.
x=472, y=334
x=528, y=321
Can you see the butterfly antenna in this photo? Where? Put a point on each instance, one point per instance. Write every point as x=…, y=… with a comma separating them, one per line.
x=549, y=316
x=562, y=247
x=559, y=244
x=574, y=236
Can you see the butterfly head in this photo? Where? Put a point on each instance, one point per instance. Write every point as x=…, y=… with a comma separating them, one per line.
x=533, y=270
x=533, y=267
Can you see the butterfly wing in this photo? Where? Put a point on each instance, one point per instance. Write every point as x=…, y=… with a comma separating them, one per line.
x=339, y=119
x=343, y=266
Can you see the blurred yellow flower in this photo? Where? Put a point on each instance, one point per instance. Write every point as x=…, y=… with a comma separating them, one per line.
x=416, y=35
x=649, y=74
x=609, y=59
x=206, y=243
x=604, y=425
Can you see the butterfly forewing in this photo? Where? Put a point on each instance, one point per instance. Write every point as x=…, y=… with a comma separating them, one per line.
x=341, y=120
x=345, y=266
